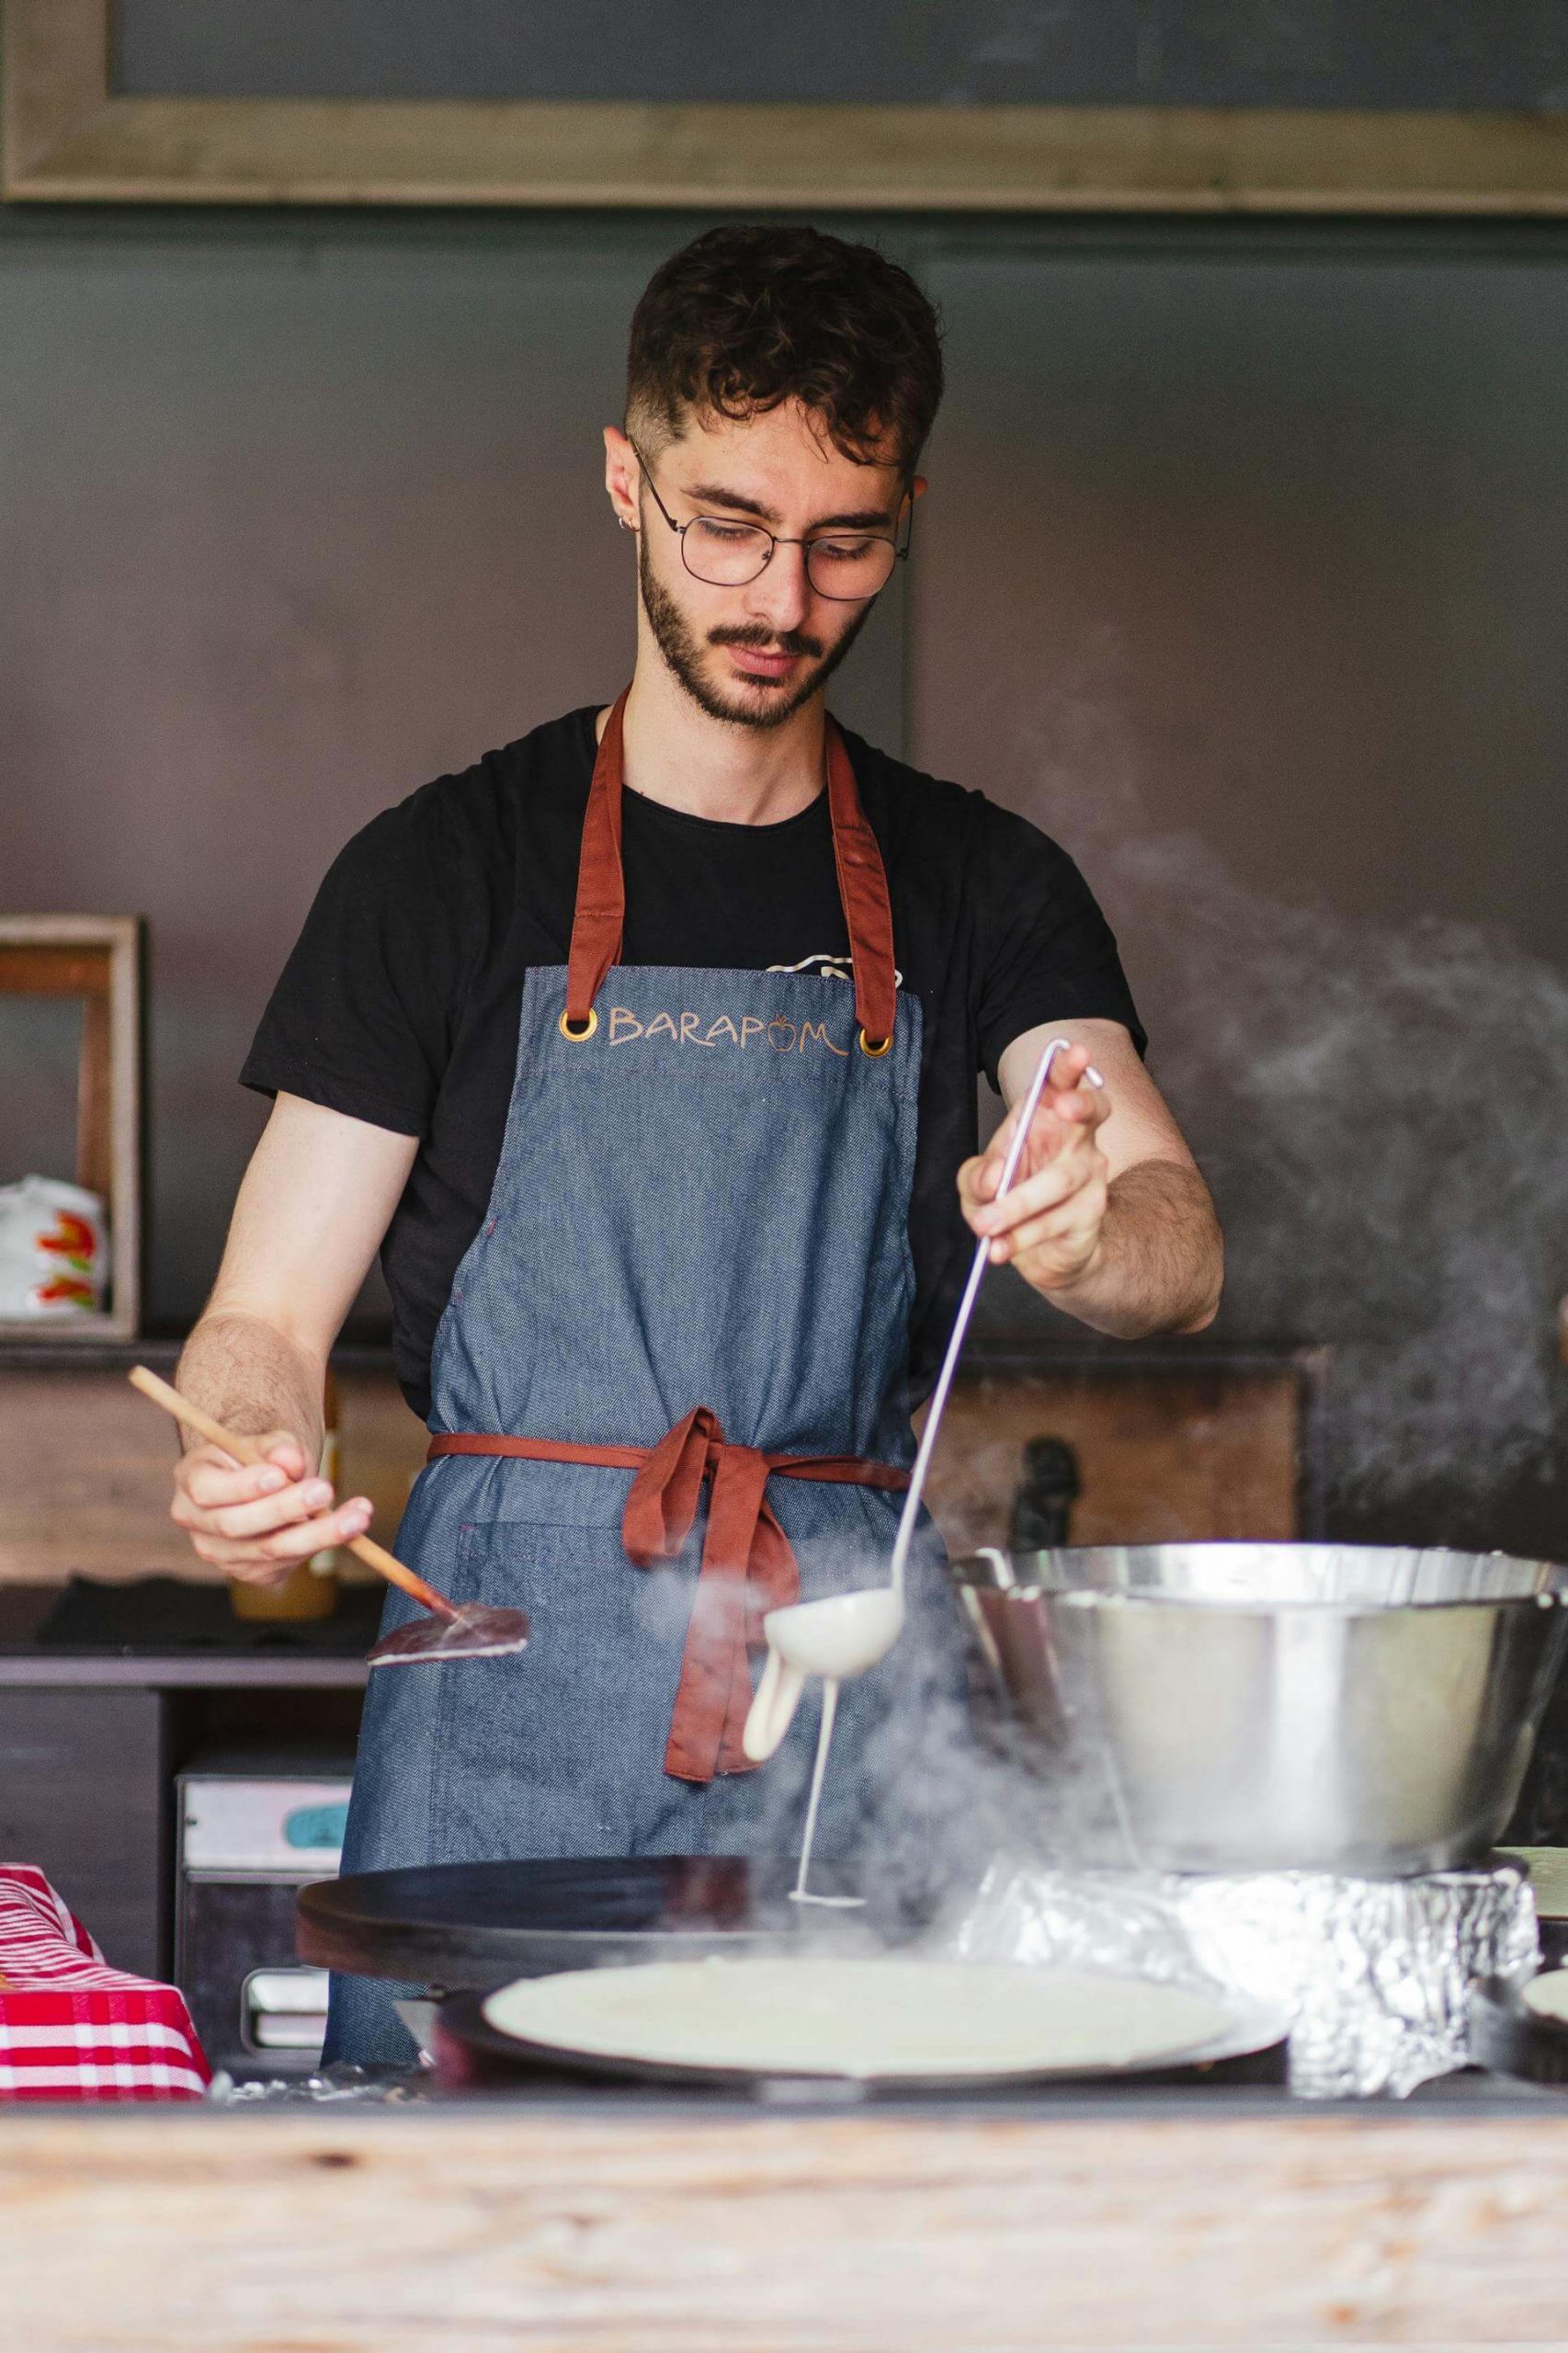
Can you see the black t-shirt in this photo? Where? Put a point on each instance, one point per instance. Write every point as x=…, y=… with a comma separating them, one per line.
x=400, y=1004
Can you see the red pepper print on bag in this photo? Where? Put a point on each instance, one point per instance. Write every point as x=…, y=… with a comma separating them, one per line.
x=71, y=1240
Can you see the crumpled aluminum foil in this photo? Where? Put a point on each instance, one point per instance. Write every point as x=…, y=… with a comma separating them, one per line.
x=1374, y=1975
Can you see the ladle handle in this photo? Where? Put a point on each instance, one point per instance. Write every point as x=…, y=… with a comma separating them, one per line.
x=245, y=1450
x=772, y=1711
x=966, y=1309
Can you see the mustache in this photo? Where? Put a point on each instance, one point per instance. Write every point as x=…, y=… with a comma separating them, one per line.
x=758, y=640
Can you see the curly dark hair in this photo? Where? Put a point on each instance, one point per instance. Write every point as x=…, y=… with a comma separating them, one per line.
x=746, y=317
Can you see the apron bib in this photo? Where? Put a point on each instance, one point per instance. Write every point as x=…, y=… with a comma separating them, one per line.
x=668, y=1394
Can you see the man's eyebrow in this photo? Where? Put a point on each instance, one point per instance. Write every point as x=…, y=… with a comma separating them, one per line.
x=714, y=494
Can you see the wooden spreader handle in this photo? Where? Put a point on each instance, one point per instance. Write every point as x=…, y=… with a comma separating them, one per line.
x=245, y=1450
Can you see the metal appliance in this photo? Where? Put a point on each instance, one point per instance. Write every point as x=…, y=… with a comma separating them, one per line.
x=1354, y=1708
x=254, y=1829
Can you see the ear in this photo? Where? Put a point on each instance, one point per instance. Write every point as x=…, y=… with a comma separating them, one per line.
x=919, y=487
x=623, y=477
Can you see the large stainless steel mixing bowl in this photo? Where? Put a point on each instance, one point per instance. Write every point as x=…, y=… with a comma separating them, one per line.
x=1275, y=1707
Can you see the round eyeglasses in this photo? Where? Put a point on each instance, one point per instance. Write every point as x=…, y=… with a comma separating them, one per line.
x=846, y=567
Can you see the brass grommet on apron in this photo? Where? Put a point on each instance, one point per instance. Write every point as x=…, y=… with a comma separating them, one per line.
x=579, y=1037
x=599, y=922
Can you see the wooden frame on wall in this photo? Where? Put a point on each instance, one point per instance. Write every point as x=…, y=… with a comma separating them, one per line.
x=67, y=138
x=100, y=959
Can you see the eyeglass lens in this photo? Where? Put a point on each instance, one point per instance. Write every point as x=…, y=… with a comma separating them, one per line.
x=727, y=555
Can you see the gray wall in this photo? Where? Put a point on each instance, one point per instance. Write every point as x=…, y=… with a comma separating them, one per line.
x=1244, y=571
x=291, y=519
x=1246, y=576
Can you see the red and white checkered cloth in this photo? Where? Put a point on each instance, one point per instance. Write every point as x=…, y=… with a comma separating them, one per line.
x=71, y=2027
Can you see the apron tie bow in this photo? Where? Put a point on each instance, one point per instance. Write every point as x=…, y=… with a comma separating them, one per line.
x=748, y=1569
x=748, y=1566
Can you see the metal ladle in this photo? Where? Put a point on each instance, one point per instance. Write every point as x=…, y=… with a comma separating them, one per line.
x=472, y=1630
x=847, y=1633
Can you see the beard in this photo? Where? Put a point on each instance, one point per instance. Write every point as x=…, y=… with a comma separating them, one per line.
x=760, y=703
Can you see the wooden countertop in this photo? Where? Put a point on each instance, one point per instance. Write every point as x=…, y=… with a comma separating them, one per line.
x=1190, y=2219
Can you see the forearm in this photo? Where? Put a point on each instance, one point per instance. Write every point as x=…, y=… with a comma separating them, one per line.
x=1159, y=1263
x=252, y=1376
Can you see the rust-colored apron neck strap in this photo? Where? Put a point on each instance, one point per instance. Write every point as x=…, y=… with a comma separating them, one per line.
x=863, y=887
x=600, y=916
x=599, y=922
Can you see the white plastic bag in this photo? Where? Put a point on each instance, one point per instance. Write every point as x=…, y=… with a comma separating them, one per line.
x=53, y=1249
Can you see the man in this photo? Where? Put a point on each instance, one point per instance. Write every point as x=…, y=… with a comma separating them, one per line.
x=645, y=1051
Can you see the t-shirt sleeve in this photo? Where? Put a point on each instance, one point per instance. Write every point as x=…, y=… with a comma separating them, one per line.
x=1046, y=951
x=362, y=1017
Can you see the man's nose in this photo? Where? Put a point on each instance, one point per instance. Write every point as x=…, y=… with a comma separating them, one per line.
x=781, y=593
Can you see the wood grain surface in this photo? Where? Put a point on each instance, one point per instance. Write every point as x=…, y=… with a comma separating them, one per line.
x=663, y=2233
x=68, y=137
x=1162, y=1456
x=99, y=958
x=85, y=1463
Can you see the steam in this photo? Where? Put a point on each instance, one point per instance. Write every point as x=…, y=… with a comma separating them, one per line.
x=918, y=1801
x=1382, y=1113
x=1382, y=1110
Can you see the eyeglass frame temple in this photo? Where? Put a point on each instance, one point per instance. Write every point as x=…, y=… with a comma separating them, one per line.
x=775, y=540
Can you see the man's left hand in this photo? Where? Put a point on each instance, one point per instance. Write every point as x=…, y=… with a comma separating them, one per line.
x=1048, y=1221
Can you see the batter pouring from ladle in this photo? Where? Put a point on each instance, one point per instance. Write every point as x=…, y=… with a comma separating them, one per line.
x=848, y=1633
x=645, y=1051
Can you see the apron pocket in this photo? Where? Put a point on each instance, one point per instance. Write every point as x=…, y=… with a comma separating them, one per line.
x=559, y=1751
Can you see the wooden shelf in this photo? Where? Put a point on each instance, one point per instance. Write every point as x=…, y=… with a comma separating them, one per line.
x=100, y=959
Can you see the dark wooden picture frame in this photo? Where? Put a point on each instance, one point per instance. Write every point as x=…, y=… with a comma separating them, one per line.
x=67, y=137
x=99, y=958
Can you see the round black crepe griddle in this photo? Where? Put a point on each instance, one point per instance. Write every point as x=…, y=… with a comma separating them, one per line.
x=471, y=2054
x=480, y=1924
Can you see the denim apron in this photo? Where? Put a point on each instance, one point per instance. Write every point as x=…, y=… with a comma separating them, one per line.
x=668, y=1394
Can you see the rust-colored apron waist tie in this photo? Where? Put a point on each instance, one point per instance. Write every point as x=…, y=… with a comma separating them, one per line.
x=748, y=1567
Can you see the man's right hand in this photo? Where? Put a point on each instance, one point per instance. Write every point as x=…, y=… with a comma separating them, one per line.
x=256, y=1520
x=317, y=1198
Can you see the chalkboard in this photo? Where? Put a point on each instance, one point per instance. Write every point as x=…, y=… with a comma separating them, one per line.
x=1253, y=53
